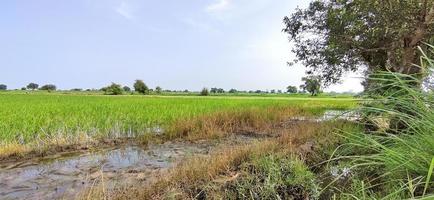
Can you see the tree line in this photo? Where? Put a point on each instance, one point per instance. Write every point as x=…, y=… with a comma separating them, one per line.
x=311, y=85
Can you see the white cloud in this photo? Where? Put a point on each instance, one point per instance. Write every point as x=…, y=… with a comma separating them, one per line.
x=219, y=5
x=125, y=10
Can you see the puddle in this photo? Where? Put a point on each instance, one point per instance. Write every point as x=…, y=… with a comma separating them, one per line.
x=330, y=115
x=339, y=114
x=65, y=177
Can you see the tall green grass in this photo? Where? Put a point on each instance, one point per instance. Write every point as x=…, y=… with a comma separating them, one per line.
x=396, y=160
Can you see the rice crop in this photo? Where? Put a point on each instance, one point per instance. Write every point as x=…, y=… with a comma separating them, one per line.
x=28, y=117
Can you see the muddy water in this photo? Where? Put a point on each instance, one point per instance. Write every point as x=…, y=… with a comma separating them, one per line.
x=65, y=177
x=330, y=115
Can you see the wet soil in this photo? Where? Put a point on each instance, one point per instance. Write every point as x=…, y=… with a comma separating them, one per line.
x=64, y=176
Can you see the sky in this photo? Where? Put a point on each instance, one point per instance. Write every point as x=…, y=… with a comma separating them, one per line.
x=188, y=44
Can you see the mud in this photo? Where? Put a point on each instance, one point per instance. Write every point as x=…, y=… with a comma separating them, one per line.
x=64, y=177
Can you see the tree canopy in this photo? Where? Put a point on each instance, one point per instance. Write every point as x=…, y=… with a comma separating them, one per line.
x=141, y=87
x=332, y=37
x=32, y=86
x=48, y=87
x=312, y=84
x=113, y=89
x=291, y=89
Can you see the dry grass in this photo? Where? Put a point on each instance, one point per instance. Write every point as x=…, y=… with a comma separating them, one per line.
x=221, y=124
x=198, y=176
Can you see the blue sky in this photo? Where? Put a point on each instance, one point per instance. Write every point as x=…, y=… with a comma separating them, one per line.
x=174, y=44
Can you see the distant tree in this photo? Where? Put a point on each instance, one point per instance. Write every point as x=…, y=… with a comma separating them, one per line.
x=32, y=86
x=233, y=91
x=220, y=90
x=3, y=87
x=273, y=91
x=186, y=91
x=158, y=90
x=279, y=91
x=113, y=89
x=258, y=91
x=214, y=90
x=140, y=87
x=204, y=92
x=76, y=89
x=312, y=84
x=127, y=89
x=23, y=88
x=48, y=87
x=291, y=89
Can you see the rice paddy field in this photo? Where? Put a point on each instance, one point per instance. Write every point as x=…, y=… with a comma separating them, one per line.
x=27, y=117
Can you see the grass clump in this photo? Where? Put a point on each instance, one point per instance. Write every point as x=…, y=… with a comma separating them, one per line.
x=396, y=161
x=275, y=176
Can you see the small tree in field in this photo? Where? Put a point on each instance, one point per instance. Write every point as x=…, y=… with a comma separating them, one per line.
x=233, y=91
x=158, y=90
x=312, y=84
x=291, y=89
x=113, y=89
x=141, y=87
x=32, y=86
x=204, y=92
x=127, y=89
x=3, y=87
x=48, y=87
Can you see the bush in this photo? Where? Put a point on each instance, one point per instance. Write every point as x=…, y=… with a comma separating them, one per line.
x=204, y=92
x=48, y=87
x=113, y=89
x=3, y=87
x=141, y=87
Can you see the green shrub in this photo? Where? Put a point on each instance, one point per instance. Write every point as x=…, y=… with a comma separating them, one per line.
x=113, y=89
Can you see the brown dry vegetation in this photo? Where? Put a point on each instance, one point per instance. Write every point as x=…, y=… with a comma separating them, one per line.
x=220, y=124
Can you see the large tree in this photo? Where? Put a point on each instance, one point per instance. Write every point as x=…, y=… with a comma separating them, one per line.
x=332, y=37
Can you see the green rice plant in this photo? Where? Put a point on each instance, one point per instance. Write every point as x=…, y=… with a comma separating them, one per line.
x=26, y=117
